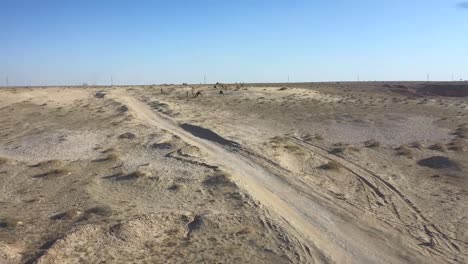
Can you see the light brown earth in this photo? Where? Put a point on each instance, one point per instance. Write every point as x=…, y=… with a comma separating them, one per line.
x=292, y=173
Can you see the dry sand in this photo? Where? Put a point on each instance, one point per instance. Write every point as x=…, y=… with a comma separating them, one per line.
x=308, y=173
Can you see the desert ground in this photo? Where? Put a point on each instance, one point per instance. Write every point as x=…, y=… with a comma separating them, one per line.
x=363, y=172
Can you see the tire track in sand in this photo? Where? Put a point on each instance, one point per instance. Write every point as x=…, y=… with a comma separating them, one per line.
x=438, y=243
x=331, y=236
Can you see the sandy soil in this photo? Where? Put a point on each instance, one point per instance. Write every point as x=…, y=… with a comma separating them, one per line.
x=292, y=173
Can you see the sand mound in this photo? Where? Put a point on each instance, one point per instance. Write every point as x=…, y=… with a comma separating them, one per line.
x=163, y=238
x=191, y=151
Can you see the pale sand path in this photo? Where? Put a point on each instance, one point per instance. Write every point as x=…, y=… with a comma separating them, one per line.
x=342, y=240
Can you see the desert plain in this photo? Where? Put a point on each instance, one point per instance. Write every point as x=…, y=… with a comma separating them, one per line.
x=351, y=172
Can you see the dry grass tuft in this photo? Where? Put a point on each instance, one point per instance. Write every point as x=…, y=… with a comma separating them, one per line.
x=416, y=145
x=102, y=210
x=219, y=179
x=127, y=135
x=3, y=160
x=404, y=151
x=10, y=222
x=438, y=147
x=457, y=144
x=318, y=137
x=338, y=150
x=53, y=173
x=276, y=140
x=175, y=187
x=461, y=131
x=72, y=214
x=112, y=157
x=138, y=174
x=331, y=165
x=372, y=144
x=245, y=231
x=51, y=163
x=292, y=148
x=109, y=150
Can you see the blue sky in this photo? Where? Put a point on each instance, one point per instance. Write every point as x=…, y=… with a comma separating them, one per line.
x=144, y=42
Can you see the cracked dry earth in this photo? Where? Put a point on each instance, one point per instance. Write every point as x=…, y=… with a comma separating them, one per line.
x=319, y=174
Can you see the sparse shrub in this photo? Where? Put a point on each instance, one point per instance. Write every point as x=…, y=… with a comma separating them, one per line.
x=371, y=144
x=331, y=165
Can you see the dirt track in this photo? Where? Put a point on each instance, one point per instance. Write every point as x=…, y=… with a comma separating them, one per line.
x=335, y=234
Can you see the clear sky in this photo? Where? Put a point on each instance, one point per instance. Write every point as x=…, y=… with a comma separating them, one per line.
x=143, y=42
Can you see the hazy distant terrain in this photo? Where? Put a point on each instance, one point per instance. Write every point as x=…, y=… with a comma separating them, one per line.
x=364, y=172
